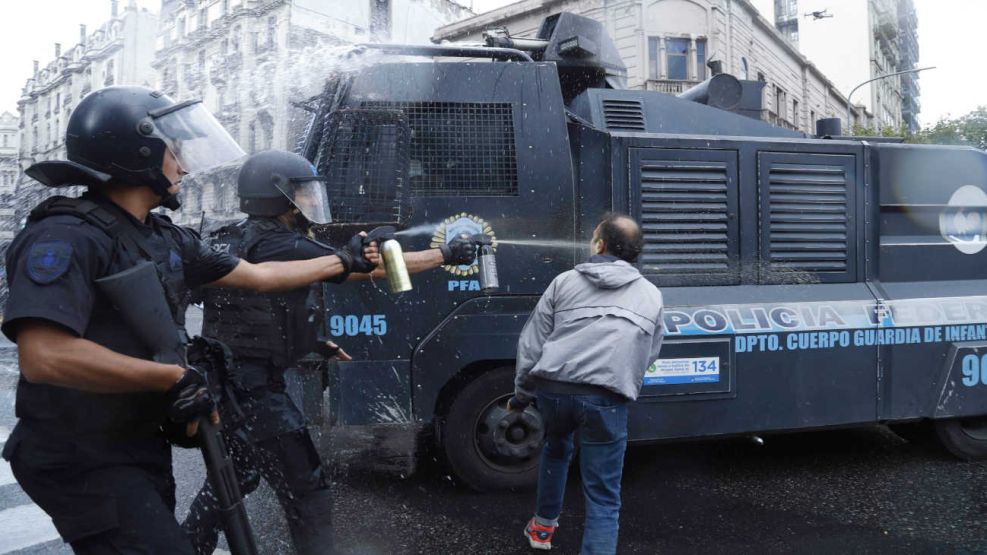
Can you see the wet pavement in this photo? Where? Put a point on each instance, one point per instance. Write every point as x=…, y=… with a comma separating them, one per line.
x=859, y=491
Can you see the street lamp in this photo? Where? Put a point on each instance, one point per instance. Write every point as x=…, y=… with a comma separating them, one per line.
x=878, y=78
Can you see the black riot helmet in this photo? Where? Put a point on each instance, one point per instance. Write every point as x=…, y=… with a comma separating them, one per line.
x=120, y=134
x=273, y=182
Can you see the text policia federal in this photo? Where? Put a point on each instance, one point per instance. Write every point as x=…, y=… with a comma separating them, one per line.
x=825, y=325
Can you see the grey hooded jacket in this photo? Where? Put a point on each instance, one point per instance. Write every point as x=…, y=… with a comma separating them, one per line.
x=599, y=324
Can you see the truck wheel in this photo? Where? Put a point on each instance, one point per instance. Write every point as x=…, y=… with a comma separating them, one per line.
x=488, y=447
x=965, y=438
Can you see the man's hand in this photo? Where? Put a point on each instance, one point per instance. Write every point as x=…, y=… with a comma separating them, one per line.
x=459, y=251
x=515, y=404
x=372, y=253
x=357, y=257
x=331, y=350
x=189, y=399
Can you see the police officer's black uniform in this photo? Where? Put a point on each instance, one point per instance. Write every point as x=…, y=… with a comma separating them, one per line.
x=97, y=463
x=267, y=333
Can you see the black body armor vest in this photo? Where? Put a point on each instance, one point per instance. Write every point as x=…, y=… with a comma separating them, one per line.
x=274, y=327
x=80, y=414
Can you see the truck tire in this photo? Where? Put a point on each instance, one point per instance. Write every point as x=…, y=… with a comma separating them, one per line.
x=488, y=448
x=965, y=438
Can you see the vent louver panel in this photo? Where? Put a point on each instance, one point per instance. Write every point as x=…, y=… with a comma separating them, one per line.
x=808, y=218
x=623, y=115
x=685, y=217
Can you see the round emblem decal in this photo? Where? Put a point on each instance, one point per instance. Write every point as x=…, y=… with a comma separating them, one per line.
x=455, y=225
x=964, y=222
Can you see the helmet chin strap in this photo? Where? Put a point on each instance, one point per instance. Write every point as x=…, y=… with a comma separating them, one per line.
x=301, y=222
x=161, y=185
x=171, y=202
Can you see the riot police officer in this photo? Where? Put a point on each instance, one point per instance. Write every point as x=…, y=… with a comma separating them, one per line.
x=268, y=333
x=91, y=403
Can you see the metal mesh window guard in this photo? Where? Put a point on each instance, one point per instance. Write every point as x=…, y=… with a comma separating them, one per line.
x=459, y=149
x=366, y=163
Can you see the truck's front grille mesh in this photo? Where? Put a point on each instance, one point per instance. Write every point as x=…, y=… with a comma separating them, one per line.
x=684, y=217
x=623, y=115
x=808, y=224
x=459, y=148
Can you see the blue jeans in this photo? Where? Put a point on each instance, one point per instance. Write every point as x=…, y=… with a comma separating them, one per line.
x=600, y=425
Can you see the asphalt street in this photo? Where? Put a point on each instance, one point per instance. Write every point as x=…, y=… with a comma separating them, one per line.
x=847, y=491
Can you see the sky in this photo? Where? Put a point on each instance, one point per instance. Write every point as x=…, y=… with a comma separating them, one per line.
x=949, y=38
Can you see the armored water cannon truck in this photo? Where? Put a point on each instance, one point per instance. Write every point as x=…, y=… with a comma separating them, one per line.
x=809, y=282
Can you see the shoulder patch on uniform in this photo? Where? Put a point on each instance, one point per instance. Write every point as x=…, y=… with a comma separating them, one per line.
x=48, y=260
x=174, y=261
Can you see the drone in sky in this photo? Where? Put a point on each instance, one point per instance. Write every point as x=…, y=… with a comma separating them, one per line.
x=819, y=14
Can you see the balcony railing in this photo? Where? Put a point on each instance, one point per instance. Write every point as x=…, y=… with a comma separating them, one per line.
x=669, y=86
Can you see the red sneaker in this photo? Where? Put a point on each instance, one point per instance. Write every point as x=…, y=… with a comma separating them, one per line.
x=540, y=537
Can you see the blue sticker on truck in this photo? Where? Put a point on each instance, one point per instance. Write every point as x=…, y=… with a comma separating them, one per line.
x=666, y=371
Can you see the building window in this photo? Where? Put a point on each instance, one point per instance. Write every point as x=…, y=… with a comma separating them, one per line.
x=812, y=120
x=653, y=69
x=272, y=31
x=202, y=60
x=236, y=39
x=676, y=57
x=181, y=27
x=781, y=103
x=744, y=69
x=701, y=59
x=110, y=70
x=796, y=116
x=203, y=18
x=761, y=78
x=786, y=9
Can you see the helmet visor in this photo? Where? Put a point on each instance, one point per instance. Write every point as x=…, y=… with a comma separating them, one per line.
x=197, y=140
x=308, y=194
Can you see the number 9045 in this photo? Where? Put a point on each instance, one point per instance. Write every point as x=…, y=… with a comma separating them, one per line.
x=974, y=370
x=352, y=325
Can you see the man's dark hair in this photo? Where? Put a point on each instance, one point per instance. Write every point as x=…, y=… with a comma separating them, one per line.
x=622, y=236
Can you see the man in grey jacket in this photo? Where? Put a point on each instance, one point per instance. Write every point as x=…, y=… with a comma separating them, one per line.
x=582, y=355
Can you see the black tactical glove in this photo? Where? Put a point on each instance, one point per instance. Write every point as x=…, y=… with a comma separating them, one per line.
x=352, y=257
x=189, y=398
x=459, y=251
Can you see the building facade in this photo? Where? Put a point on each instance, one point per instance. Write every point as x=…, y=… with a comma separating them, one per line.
x=118, y=52
x=250, y=61
x=853, y=41
x=667, y=43
x=9, y=152
x=10, y=171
